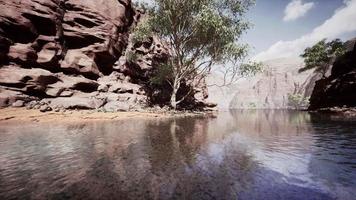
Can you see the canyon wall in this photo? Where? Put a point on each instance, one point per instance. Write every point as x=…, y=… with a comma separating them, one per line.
x=269, y=89
x=71, y=54
x=281, y=80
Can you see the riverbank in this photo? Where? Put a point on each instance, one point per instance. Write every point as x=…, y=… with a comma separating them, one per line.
x=35, y=115
x=346, y=112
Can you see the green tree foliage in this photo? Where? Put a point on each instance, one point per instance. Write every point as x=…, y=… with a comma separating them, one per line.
x=201, y=34
x=298, y=101
x=162, y=74
x=321, y=55
x=250, y=69
x=142, y=31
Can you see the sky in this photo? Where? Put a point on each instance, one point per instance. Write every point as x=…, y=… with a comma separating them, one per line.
x=284, y=28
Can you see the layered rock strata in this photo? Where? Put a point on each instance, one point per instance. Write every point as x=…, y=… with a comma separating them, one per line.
x=70, y=54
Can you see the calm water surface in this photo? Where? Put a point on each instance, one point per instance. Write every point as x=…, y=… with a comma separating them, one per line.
x=238, y=155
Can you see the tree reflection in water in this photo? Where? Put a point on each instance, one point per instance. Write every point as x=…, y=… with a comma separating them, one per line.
x=241, y=154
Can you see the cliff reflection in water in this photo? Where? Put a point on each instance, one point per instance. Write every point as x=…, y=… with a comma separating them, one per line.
x=241, y=154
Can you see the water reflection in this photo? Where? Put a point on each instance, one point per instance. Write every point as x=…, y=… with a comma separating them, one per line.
x=241, y=154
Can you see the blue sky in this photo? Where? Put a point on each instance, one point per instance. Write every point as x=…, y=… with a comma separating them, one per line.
x=283, y=28
x=276, y=35
x=269, y=27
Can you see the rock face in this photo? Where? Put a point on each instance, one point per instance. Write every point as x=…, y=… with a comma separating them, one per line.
x=339, y=89
x=271, y=88
x=71, y=54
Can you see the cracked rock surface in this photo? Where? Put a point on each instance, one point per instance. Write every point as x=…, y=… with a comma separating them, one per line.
x=70, y=54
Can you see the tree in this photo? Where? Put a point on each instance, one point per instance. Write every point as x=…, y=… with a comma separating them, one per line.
x=322, y=55
x=298, y=101
x=202, y=34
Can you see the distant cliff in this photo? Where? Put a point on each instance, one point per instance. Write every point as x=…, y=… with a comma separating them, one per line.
x=270, y=89
x=338, y=89
x=281, y=79
x=68, y=54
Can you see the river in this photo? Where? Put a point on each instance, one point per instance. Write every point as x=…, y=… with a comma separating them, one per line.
x=262, y=154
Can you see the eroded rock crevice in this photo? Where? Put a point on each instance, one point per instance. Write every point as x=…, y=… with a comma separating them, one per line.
x=69, y=54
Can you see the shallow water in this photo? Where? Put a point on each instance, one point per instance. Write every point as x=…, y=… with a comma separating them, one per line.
x=238, y=155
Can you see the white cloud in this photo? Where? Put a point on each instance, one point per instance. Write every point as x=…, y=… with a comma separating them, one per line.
x=343, y=21
x=296, y=9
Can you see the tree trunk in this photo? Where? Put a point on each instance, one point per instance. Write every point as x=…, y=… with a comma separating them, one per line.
x=176, y=86
x=174, y=99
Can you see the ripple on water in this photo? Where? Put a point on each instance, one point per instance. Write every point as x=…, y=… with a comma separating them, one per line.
x=239, y=154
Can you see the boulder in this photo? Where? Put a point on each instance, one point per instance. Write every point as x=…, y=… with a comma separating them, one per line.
x=45, y=108
x=124, y=102
x=78, y=63
x=18, y=103
x=115, y=106
x=70, y=83
x=77, y=102
x=122, y=88
x=24, y=54
x=9, y=97
x=142, y=57
x=33, y=82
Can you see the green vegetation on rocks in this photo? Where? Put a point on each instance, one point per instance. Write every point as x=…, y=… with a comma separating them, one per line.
x=202, y=35
x=321, y=55
x=298, y=101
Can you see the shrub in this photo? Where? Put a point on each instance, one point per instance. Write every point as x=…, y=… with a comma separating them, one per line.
x=298, y=101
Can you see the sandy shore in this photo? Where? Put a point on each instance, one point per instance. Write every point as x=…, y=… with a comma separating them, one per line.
x=24, y=115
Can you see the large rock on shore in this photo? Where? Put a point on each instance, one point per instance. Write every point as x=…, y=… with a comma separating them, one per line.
x=83, y=37
x=71, y=54
x=339, y=89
